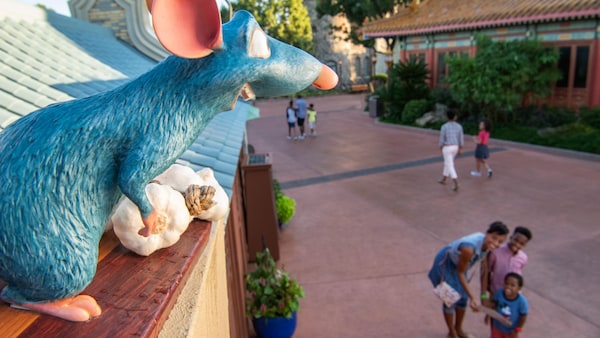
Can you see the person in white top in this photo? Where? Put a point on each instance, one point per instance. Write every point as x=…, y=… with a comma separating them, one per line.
x=290, y=115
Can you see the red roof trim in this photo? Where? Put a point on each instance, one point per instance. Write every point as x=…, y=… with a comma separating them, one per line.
x=486, y=23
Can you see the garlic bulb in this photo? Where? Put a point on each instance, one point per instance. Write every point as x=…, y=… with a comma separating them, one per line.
x=214, y=205
x=173, y=220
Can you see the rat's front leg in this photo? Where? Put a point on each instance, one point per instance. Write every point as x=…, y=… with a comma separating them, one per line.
x=149, y=224
x=132, y=181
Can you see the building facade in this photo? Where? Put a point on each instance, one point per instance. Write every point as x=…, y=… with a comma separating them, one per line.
x=432, y=29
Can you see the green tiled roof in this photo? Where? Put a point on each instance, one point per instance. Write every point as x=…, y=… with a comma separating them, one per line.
x=219, y=145
x=47, y=57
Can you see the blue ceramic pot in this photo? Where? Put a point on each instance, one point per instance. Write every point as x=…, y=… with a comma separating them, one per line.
x=276, y=327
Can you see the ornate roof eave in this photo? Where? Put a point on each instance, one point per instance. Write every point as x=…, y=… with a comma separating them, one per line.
x=139, y=26
x=590, y=13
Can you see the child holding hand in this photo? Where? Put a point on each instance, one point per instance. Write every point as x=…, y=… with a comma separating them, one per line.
x=510, y=257
x=511, y=306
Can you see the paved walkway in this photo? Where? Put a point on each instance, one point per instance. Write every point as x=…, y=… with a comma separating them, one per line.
x=370, y=218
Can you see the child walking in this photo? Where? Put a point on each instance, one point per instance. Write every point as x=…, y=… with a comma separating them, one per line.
x=312, y=119
x=482, y=153
x=511, y=305
x=290, y=115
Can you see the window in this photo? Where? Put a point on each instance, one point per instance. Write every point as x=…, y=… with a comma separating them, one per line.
x=367, y=67
x=581, y=67
x=441, y=67
x=357, y=67
x=573, y=75
x=420, y=56
x=564, y=63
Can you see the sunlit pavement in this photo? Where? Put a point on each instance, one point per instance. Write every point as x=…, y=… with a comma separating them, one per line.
x=370, y=216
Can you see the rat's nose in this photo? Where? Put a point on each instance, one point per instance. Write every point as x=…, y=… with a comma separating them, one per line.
x=327, y=79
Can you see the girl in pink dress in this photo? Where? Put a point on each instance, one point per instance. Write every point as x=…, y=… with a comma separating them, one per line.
x=482, y=153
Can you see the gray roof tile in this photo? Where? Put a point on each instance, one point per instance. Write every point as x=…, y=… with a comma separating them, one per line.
x=47, y=57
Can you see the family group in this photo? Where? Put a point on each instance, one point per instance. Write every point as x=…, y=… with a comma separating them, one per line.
x=297, y=114
x=501, y=268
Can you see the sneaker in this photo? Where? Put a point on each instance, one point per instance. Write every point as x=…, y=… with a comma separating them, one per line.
x=301, y=137
x=476, y=173
x=490, y=173
x=289, y=137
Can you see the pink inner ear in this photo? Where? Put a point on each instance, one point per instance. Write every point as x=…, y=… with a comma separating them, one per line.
x=187, y=28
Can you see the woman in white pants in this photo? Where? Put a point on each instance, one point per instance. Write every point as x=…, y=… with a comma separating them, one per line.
x=451, y=143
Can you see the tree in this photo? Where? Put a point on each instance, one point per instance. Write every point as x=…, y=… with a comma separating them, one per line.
x=502, y=75
x=285, y=20
x=357, y=12
x=407, y=81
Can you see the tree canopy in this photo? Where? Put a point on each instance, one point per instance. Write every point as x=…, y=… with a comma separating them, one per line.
x=285, y=20
x=502, y=75
x=357, y=12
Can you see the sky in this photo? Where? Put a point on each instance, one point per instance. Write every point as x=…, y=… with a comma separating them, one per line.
x=59, y=6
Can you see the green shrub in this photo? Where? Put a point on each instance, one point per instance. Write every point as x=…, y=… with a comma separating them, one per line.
x=286, y=208
x=590, y=116
x=551, y=117
x=443, y=95
x=414, y=109
x=380, y=76
x=407, y=81
x=276, y=187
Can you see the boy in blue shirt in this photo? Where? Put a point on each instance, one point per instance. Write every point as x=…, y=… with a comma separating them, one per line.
x=512, y=305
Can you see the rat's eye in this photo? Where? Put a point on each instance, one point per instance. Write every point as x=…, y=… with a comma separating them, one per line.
x=225, y=9
x=259, y=46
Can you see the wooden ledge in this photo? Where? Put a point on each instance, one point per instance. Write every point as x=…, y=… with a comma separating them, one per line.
x=136, y=293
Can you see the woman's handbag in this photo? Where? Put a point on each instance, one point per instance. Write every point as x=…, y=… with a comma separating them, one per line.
x=444, y=291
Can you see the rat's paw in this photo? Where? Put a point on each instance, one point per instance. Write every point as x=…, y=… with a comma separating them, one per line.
x=77, y=309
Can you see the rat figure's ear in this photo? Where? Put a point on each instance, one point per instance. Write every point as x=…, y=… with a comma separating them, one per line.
x=187, y=28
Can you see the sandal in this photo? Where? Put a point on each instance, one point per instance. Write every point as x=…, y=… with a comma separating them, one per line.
x=465, y=335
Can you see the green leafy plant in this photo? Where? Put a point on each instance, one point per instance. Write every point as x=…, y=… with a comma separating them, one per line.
x=590, y=116
x=271, y=292
x=407, y=81
x=414, y=109
x=286, y=207
x=503, y=75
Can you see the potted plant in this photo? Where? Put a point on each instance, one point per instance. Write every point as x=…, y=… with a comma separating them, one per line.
x=284, y=205
x=272, y=298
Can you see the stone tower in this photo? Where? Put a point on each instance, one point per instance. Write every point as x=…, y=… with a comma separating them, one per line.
x=352, y=63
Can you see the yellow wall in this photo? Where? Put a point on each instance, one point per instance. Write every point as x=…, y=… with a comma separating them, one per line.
x=201, y=311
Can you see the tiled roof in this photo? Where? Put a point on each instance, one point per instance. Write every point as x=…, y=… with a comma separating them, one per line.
x=431, y=16
x=219, y=145
x=47, y=57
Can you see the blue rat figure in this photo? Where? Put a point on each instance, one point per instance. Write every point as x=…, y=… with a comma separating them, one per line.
x=64, y=167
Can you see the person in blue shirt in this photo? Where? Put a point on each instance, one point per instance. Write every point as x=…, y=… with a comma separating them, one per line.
x=512, y=305
x=301, y=108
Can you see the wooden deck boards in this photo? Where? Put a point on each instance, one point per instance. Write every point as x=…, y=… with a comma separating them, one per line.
x=136, y=293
